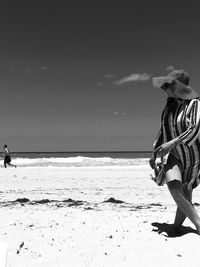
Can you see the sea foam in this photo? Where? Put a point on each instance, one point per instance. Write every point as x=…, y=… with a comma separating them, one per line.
x=79, y=161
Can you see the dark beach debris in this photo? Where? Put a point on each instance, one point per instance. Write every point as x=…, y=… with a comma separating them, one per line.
x=89, y=208
x=20, y=247
x=59, y=203
x=55, y=203
x=43, y=201
x=22, y=200
x=196, y=204
x=145, y=206
x=113, y=200
x=75, y=203
x=71, y=202
x=68, y=200
x=14, y=202
x=140, y=207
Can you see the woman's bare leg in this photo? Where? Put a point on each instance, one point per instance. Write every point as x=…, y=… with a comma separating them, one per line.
x=173, y=179
x=180, y=216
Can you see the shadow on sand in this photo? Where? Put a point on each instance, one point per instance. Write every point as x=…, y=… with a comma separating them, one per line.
x=169, y=231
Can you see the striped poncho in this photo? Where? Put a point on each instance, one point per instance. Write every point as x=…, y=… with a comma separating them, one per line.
x=181, y=118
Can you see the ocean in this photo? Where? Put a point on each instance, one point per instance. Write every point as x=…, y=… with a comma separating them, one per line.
x=79, y=159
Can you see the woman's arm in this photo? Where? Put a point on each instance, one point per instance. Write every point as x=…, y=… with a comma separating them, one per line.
x=159, y=139
x=192, y=132
x=187, y=137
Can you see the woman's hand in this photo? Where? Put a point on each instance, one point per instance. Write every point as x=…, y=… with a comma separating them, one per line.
x=152, y=163
x=164, y=149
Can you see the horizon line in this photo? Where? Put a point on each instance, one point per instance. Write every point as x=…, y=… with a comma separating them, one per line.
x=98, y=151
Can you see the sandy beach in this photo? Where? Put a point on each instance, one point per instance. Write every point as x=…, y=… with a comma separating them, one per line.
x=101, y=216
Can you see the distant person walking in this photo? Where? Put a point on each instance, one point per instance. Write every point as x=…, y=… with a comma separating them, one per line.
x=7, y=157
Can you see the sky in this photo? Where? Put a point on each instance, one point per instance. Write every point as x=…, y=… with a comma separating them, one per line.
x=76, y=75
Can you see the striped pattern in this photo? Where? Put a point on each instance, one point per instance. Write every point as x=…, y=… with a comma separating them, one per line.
x=181, y=118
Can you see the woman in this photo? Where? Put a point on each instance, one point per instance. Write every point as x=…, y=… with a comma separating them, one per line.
x=179, y=140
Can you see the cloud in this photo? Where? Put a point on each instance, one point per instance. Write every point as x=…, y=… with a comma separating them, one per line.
x=99, y=84
x=121, y=113
x=135, y=77
x=28, y=70
x=43, y=68
x=169, y=68
x=109, y=76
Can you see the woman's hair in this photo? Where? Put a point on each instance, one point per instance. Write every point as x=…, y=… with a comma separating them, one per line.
x=5, y=146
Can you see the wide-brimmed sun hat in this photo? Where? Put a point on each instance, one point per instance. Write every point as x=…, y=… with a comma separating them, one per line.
x=179, y=79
